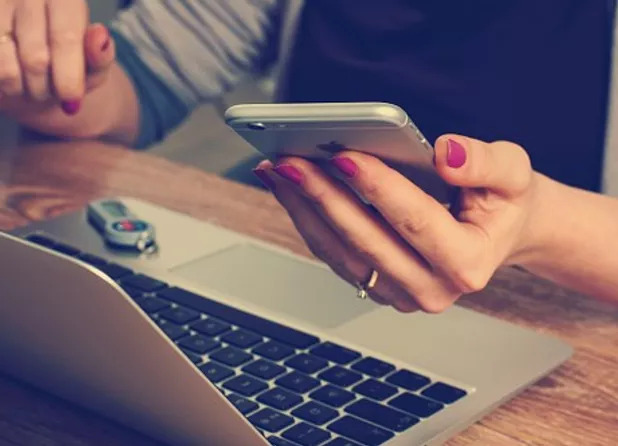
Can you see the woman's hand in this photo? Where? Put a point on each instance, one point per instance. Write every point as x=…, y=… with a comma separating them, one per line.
x=426, y=256
x=50, y=55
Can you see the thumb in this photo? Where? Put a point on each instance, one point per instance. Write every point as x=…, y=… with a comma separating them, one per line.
x=501, y=166
x=100, y=53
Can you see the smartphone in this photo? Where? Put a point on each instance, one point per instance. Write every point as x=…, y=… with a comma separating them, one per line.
x=318, y=131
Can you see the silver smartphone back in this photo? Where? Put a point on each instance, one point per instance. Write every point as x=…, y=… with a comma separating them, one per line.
x=317, y=131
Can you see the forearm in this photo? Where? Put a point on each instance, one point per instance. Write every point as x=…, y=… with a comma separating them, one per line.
x=109, y=112
x=576, y=243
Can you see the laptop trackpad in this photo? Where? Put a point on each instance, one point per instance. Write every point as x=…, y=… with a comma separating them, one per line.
x=279, y=283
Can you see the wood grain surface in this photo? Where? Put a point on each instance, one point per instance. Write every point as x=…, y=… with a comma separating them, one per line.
x=576, y=405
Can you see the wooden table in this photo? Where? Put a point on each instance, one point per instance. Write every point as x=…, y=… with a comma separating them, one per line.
x=576, y=405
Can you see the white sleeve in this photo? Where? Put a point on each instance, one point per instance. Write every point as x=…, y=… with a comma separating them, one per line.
x=202, y=48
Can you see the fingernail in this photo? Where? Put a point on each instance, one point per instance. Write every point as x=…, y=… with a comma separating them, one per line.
x=346, y=166
x=105, y=45
x=455, y=154
x=290, y=173
x=264, y=178
x=71, y=107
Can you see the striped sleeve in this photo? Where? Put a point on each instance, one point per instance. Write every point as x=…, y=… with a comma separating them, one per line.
x=194, y=50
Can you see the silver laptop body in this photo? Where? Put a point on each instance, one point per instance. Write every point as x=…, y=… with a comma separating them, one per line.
x=69, y=329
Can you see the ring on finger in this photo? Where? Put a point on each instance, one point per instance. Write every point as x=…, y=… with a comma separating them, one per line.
x=363, y=288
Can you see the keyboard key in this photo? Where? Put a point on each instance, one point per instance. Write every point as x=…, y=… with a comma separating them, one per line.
x=416, y=405
x=408, y=380
x=143, y=282
x=373, y=367
x=249, y=321
x=276, y=441
x=211, y=327
x=41, y=240
x=199, y=344
x=444, y=393
x=315, y=413
x=333, y=396
x=245, y=385
x=173, y=331
x=242, y=338
x=92, y=259
x=231, y=356
x=180, y=315
x=306, y=363
x=375, y=389
x=382, y=415
x=306, y=435
x=365, y=433
x=65, y=249
x=270, y=421
x=298, y=382
x=280, y=399
x=114, y=271
x=132, y=292
x=195, y=359
x=152, y=304
x=340, y=376
x=264, y=369
x=244, y=405
x=274, y=350
x=341, y=442
x=335, y=353
x=216, y=372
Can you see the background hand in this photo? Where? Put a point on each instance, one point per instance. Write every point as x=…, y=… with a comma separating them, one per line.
x=50, y=55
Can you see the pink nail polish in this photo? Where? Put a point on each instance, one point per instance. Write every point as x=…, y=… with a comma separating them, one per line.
x=71, y=107
x=290, y=173
x=455, y=154
x=346, y=166
x=264, y=178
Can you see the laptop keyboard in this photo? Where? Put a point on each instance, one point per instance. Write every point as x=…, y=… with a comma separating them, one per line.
x=297, y=389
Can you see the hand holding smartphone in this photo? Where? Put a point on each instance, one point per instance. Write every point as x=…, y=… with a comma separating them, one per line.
x=318, y=131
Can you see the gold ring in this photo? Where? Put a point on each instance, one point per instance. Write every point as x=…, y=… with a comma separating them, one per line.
x=6, y=37
x=364, y=288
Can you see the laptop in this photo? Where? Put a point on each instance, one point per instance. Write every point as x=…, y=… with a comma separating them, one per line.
x=221, y=339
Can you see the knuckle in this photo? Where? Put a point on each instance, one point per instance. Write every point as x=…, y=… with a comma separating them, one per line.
x=9, y=71
x=469, y=280
x=519, y=163
x=9, y=75
x=37, y=62
x=371, y=191
x=413, y=223
x=10, y=83
x=318, y=195
x=66, y=37
x=372, y=187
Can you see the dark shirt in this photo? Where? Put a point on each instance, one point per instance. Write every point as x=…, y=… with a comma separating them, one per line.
x=535, y=72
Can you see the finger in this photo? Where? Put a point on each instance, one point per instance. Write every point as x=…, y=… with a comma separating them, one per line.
x=31, y=34
x=374, y=242
x=502, y=167
x=100, y=54
x=417, y=217
x=66, y=37
x=323, y=242
x=11, y=83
